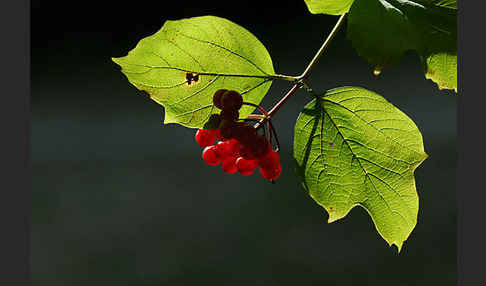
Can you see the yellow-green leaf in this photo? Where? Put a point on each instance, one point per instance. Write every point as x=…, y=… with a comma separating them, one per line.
x=383, y=30
x=330, y=7
x=216, y=52
x=442, y=69
x=354, y=148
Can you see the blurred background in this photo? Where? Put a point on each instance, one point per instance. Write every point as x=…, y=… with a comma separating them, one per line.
x=120, y=199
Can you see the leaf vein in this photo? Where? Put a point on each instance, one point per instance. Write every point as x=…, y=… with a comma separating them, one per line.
x=226, y=49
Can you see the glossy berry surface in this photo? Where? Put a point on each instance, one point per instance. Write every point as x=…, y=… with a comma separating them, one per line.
x=272, y=173
x=206, y=137
x=228, y=148
x=238, y=146
x=269, y=161
x=210, y=156
x=246, y=167
x=229, y=165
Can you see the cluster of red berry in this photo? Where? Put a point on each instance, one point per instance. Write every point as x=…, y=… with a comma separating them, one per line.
x=239, y=148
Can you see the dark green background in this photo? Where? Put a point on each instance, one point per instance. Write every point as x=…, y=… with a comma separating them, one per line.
x=120, y=199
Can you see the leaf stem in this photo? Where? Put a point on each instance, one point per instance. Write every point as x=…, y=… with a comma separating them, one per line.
x=263, y=111
x=300, y=80
x=284, y=99
x=319, y=53
x=279, y=104
x=285, y=77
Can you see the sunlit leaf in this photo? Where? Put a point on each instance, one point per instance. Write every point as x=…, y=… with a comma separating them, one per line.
x=330, y=7
x=382, y=31
x=354, y=148
x=184, y=63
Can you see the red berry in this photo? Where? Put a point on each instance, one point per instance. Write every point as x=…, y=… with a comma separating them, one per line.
x=217, y=98
x=228, y=148
x=229, y=165
x=234, y=148
x=221, y=149
x=246, y=167
x=217, y=132
x=269, y=161
x=231, y=100
x=210, y=156
x=205, y=137
x=246, y=153
x=271, y=174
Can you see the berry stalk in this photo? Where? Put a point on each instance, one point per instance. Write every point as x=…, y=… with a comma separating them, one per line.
x=279, y=104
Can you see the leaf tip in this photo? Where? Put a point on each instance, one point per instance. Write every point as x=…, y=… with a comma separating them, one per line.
x=331, y=219
x=116, y=60
x=398, y=245
x=333, y=215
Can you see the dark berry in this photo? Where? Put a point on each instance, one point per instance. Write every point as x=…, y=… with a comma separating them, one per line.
x=229, y=165
x=246, y=134
x=231, y=100
x=217, y=98
x=226, y=129
x=260, y=147
x=230, y=114
x=210, y=156
x=246, y=167
x=205, y=137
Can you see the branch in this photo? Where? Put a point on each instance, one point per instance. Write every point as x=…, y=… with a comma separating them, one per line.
x=311, y=65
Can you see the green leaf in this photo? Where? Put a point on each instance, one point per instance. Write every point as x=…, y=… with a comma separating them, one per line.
x=451, y=4
x=354, y=148
x=442, y=69
x=220, y=53
x=382, y=31
x=330, y=7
